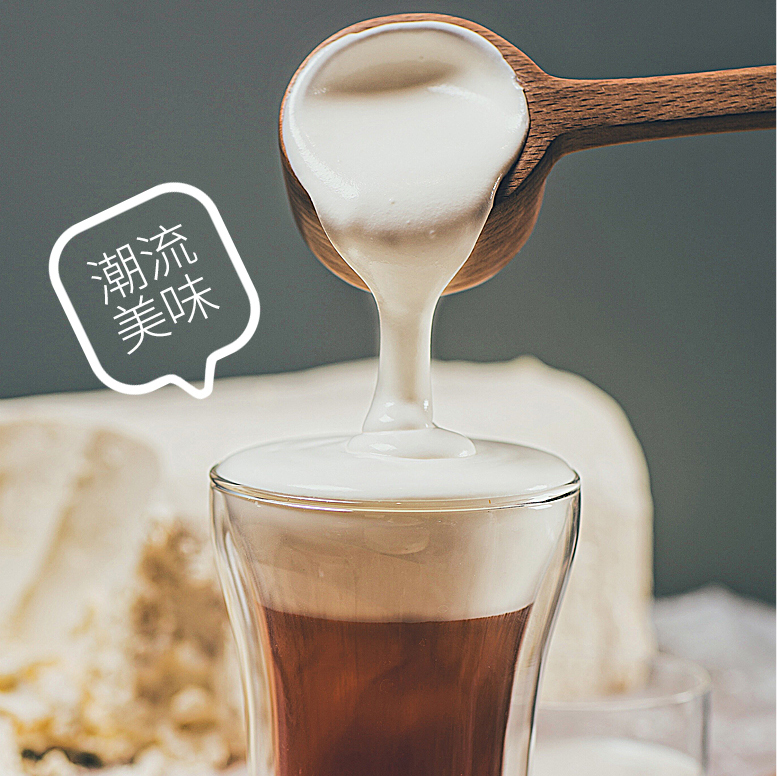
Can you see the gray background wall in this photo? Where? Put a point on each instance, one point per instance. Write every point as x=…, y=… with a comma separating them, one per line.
x=651, y=271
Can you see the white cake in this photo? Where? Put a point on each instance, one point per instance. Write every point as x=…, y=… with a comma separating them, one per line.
x=116, y=689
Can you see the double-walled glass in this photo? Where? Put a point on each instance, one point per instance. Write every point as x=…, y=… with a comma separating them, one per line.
x=391, y=639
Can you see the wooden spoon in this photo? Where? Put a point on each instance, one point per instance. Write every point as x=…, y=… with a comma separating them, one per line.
x=565, y=115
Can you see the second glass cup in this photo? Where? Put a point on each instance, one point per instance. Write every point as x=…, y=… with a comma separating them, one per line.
x=391, y=639
x=659, y=729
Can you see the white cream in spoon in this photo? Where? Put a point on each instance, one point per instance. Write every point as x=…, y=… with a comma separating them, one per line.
x=400, y=134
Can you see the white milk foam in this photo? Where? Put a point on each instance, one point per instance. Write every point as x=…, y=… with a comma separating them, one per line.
x=325, y=468
x=401, y=135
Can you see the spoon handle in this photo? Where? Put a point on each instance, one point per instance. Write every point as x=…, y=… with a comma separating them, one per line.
x=595, y=113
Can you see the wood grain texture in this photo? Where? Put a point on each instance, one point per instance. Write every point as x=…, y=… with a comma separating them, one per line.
x=565, y=115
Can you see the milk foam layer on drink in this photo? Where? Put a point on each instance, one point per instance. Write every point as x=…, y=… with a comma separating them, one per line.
x=361, y=536
x=383, y=561
x=325, y=468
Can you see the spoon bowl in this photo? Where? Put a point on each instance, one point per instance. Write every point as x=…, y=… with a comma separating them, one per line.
x=565, y=115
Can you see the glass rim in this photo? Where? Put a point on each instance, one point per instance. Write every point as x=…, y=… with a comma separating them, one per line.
x=247, y=493
x=699, y=685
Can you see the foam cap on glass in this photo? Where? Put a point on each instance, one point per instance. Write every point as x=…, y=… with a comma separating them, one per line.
x=391, y=639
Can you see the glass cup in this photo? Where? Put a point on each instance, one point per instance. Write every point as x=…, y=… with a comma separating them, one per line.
x=660, y=730
x=391, y=639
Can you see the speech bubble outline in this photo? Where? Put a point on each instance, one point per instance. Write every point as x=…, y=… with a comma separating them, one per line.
x=80, y=332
